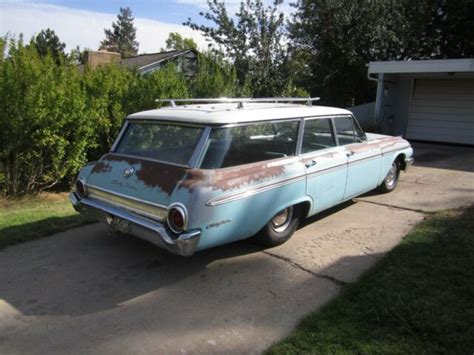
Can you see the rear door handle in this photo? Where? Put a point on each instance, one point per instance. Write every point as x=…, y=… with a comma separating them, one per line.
x=349, y=154
x=311, y=163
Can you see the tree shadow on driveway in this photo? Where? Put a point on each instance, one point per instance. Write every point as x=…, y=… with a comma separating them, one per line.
x=89, y=269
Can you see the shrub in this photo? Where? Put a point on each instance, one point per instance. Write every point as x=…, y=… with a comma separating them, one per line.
x=44, y=118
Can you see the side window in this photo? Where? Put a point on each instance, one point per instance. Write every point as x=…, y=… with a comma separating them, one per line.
x=246, y=144
x=317, y=135
x=348, y=131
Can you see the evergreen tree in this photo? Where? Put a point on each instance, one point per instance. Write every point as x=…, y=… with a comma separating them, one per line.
x=121, y=38
x=47, y=42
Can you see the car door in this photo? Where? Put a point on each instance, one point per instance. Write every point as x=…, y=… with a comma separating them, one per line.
x=363, y=160
x=325, y=164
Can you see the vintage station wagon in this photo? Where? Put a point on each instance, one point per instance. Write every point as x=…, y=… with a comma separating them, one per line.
x=194, y=176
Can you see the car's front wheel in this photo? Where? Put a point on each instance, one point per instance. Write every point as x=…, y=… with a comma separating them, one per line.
x=391, y=179
x=280, y=228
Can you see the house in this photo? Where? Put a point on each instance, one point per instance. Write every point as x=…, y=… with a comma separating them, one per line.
x=426, y=100
x=185, y=60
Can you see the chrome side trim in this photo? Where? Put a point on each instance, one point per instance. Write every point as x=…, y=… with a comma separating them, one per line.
x=326, y=170
x=394, y=150
x=361, y=160
x=252, y=191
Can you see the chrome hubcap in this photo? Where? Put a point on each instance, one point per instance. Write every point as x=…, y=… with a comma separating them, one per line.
x=391, y=176
x=282, y=219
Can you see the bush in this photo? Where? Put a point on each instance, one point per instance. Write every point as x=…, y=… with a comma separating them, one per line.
x=54, y=119
x=44, y=118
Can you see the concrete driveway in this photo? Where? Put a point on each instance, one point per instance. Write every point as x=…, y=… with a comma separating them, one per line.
x=85, y=291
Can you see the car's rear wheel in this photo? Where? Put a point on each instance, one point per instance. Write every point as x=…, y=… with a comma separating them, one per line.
x=391, y=179
x=280, y=228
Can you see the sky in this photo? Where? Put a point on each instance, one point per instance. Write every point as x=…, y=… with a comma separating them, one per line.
x=82, y=23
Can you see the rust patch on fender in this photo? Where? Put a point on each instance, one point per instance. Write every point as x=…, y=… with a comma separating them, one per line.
x=328, y=155
x=232, y=178
x=381, y=143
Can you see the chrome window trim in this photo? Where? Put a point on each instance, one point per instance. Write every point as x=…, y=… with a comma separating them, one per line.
x=190, y=162
x=205, y=145
x=332, y=128
x=120, y=135
x=150, y=159
x=200, y=149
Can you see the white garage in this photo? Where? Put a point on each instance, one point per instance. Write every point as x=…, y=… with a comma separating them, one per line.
x=429, y=100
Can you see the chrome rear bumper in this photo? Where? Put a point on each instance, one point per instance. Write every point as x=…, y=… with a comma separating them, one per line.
x=184, y=244
x=408, y=163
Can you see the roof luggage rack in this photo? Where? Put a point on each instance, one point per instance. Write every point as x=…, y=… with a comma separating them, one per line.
x=241, y=100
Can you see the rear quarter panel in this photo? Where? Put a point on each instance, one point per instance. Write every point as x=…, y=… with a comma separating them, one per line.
x=235, y=203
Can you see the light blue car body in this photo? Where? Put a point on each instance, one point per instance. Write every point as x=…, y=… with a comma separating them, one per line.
x=234, y=203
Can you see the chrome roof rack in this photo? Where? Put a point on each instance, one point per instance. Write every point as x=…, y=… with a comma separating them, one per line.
x=241, y=100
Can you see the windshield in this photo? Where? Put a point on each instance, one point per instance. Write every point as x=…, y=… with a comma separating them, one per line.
x=160, y=141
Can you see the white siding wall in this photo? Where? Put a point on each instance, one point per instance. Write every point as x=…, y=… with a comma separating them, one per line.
x=442, y=110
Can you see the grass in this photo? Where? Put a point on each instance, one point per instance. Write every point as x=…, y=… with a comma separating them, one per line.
x=35, y=217
x=418, y=299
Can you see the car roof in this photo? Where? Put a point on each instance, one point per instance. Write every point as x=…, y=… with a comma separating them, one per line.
x=230, y=113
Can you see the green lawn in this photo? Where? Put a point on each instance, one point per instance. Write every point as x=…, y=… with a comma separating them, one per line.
x=36, y=217
x=419, y=299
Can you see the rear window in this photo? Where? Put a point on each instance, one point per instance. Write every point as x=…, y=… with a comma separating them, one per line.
x=161, y=141
x=249, y=144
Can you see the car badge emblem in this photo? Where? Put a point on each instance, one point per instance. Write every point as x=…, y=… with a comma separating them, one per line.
x=128, y=172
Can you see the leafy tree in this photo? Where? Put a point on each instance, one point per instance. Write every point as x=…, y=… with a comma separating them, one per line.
x=216, y=77
x=47, y=42
x=44, y=118
x=77, y=55
x=176, y=42
x=121, y=38
x=332, y=41
x=253, y=42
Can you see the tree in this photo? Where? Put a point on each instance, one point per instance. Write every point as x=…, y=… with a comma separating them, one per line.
x=77, y=55
x=47, y=42
x=336, y=39
x=176, y=42
x=46, y=125
x=253, y=42
x=121, y=38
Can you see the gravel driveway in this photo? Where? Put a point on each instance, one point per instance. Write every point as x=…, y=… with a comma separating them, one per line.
x=86, y=291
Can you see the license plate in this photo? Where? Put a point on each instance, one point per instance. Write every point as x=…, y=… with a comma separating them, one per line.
x=120, y=225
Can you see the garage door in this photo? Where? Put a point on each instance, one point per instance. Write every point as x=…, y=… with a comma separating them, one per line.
x=442, y=110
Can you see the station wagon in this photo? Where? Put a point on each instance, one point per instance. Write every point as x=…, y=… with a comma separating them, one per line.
x=194, y=176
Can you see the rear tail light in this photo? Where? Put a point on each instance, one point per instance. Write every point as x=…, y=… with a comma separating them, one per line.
x=177, y=218
x=81, y=188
